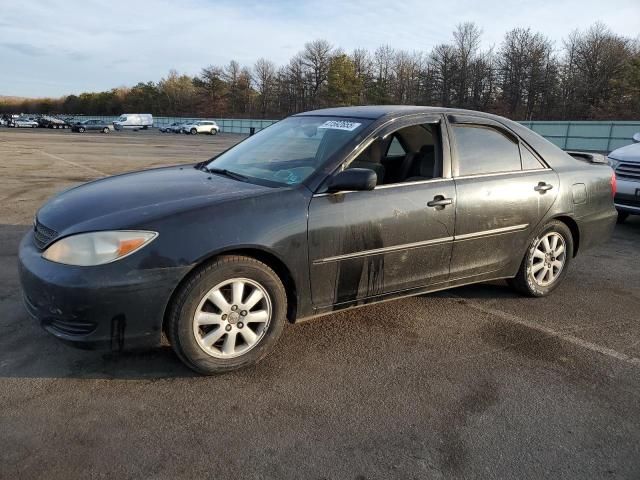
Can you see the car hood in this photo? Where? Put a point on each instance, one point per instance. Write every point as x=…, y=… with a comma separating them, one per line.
x=126, y=201
x=629, y=153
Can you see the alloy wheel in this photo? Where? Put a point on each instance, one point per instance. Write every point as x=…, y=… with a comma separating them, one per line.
x=548, y=259
x=232, y=318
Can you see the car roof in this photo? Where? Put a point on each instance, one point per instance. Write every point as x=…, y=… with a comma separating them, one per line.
x=378, y=111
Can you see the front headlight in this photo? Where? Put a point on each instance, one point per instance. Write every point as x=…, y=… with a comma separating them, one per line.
x=613, y=163
x=97, y=248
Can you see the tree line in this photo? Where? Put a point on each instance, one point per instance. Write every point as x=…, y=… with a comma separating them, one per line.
x=594, y=74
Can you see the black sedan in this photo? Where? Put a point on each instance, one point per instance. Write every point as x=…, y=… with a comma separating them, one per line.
x=325, y=210
x=87, y=125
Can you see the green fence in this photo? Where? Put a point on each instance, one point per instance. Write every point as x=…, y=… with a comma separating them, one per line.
x=578, y=135
x=591, y=136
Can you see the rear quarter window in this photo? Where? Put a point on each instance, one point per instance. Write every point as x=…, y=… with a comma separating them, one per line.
x=529, y=160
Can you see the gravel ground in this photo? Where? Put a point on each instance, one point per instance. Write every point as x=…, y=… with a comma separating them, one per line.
x=476, y=382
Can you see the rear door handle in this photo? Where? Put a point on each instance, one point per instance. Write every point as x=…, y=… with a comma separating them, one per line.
x=440, y=202
x=542, y=187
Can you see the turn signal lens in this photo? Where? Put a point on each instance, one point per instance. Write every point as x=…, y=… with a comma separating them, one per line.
x=97, y=248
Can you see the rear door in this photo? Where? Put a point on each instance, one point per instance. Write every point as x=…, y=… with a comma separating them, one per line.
x=503, y=190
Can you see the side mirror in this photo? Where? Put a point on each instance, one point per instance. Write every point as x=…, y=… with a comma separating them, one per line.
x=636, y=138
x=353, y=179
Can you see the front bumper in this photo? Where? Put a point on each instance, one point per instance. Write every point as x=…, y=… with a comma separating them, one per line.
x=628, y=196
x=113, y=306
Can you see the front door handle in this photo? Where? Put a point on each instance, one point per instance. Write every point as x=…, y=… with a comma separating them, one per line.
x=542, y=187
x=439, y=202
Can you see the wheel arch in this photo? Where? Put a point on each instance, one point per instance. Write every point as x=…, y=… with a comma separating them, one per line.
x=574, y=228
x=268, y=258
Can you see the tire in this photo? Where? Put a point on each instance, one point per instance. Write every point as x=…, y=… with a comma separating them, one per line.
x=105, y=130
x=622, y=217
x=214, y=131
x=194, y=131
x=81, y=130
x=192, y=301
x=527, y=280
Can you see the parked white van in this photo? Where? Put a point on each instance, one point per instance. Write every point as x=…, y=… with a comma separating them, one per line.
x=134, y=121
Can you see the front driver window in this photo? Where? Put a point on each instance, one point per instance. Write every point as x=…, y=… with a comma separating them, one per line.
x=409, y=154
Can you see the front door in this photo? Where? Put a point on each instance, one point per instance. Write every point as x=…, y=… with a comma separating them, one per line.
x=394, y=238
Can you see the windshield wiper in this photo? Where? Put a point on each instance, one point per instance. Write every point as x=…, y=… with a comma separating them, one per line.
x=226, y=173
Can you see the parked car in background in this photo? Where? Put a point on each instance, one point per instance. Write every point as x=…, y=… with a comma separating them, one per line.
x=179, y=126
x=24, y=123
x=134, y=121
x=201, y=126
x=625, y=162
x=323, y=211
x=92, y=124
x=52, y=122
x=168, y=128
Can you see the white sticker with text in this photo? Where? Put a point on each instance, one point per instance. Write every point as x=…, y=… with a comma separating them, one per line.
x=340, y=125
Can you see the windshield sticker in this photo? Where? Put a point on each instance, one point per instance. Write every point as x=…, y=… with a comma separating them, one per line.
x=340, y=125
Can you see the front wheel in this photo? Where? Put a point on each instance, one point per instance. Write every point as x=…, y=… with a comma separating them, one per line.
x=105, y=130
x=194, y=131
x=214, y=131
x=546, y=261
x=228, y=315
x=81, y=130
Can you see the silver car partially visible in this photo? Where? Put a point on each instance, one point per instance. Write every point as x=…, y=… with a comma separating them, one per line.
x=626, y=163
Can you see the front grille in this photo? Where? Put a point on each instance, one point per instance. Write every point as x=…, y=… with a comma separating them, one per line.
x=42, y=235
x=628, y=170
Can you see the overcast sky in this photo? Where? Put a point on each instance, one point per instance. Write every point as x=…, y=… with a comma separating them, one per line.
x=57, y=47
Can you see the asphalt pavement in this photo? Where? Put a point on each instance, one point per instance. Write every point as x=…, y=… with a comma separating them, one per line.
x=476, y=382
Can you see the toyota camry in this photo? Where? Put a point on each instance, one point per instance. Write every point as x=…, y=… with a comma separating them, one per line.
x=322, y=211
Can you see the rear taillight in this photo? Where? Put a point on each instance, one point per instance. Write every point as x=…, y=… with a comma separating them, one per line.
x=614, y=184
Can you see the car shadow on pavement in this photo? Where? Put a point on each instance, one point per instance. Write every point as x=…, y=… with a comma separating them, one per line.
x=492, y=290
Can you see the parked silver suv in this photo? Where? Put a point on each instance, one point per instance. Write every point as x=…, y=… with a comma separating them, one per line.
x=626, y=163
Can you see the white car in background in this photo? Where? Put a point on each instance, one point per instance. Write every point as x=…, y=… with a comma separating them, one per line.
x=625, y=162
x=24, y=123
x=201, y=126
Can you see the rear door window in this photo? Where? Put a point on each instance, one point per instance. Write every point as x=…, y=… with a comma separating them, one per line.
x=484, y=150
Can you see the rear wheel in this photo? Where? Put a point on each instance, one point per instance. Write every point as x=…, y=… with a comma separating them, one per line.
x=622, y=217
x=214, y=131
x=105, y=130
x=228, y=315
x=81, y=130
x=546, y=262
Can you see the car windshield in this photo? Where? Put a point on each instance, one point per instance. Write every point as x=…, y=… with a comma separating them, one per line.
x=289, y=151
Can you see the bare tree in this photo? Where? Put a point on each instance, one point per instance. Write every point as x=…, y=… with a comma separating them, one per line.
x=316, y=57
x=525, y=61
x=444, y=68
x=466, y=38
x=264, y=74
